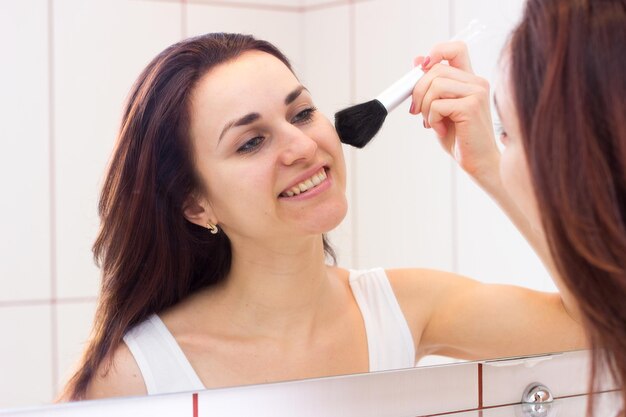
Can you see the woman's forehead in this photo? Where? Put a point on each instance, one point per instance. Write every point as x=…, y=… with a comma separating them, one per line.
x=249, y=72
x=249, y=83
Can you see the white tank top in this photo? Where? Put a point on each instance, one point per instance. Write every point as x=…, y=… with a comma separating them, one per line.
x=165, y=367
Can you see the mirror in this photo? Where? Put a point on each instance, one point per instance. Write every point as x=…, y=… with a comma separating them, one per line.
x=72, y=64
x=490, y=388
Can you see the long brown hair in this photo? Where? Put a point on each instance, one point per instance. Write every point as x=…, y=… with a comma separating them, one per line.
x=568, y=71
x=152, y=257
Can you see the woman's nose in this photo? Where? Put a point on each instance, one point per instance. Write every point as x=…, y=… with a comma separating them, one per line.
x=296, y=146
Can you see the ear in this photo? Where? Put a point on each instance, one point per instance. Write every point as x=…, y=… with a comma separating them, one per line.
x=198, y=211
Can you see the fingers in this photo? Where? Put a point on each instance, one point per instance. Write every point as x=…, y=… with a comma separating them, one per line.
x=418, y=60
x=441, y=71
x=456, y=111
x=446, y=88
x=454, y=52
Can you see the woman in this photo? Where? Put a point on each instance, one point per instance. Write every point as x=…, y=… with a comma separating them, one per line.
x=562, y=107
x=221, y=187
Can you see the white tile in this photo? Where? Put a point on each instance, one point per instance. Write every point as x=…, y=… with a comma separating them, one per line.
x=327, y=75
x=310, y=5
x=403, y=181
x=288, y=5
x=489, y=247
x=180, y=404
x=564, y=374
x=25, y=356
x=282, y=28
x=100, y=49
x=407, y=392
x=432, y=360
x=607, y=404
x=24, y=162
x=74, y=322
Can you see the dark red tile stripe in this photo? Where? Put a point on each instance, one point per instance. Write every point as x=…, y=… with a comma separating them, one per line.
x=480, y=385
x=195, y=405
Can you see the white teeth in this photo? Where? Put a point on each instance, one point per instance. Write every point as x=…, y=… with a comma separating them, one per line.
x=305, y=185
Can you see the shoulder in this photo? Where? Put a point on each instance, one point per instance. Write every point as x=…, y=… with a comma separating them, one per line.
x=119, y=377
x=420, y=292
x=426, y=284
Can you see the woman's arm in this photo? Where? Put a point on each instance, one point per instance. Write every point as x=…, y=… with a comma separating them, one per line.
x=452, y=315
x=121, y=378
x=455, y=103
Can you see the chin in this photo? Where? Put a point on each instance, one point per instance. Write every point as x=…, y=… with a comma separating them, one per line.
x=331, y=218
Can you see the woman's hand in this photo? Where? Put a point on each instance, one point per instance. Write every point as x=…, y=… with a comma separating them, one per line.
x=455, y=104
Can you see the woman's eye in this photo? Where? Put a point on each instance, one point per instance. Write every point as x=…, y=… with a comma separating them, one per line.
x=304, y=116
x=251, y=145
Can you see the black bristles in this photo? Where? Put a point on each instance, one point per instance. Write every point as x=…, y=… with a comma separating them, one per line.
x=357, y=125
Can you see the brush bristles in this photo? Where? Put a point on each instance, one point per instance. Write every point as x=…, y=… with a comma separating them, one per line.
x=357, y=125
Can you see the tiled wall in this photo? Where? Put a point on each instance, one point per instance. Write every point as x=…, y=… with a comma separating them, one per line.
x=67, y=67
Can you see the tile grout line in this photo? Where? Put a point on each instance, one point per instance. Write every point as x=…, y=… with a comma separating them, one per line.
x=353, y=153
x=269, y=7
x=52, y=214
x=183, y=19
x=47, y=301
x=453, y=171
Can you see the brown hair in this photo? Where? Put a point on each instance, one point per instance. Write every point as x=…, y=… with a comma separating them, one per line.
x=151, y=256
x=568, y=75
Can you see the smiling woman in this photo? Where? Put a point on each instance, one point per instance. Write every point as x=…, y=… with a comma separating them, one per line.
x=222, y=185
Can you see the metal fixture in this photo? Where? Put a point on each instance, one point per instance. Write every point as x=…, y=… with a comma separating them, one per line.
x=537, y=401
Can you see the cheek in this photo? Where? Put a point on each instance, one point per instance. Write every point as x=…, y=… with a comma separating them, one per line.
x=517, y=182
x=234, y=188
x=329, y=141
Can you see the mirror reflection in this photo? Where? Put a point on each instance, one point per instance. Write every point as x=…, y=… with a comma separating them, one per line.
x=237, y=240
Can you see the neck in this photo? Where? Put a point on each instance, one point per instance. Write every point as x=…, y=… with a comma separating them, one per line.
x=277, y=291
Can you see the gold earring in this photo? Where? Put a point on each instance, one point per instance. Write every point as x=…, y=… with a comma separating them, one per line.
x=213, y=228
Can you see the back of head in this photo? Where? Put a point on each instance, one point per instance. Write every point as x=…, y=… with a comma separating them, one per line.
x=568, y=66
x=151, y=256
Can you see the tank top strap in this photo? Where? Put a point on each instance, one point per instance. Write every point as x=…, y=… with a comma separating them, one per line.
x=163, y=365
x=389, y=339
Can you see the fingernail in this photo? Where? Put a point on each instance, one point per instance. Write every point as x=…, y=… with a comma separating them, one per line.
x=426, y=62
x=412, y=109
x=424, y=123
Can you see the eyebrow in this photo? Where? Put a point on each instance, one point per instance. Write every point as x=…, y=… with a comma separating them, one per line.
x=252, y=117
x=294, y=95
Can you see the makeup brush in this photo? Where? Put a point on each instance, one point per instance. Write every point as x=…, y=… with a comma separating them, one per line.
x=357, y=125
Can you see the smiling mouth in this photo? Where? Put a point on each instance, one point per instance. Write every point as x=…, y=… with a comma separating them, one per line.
x=306, y=185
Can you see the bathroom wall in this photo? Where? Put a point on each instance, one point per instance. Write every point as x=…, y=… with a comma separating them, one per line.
x=68, y=65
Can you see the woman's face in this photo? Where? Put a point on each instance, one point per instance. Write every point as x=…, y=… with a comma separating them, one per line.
x=513, y=163
x=271, y=165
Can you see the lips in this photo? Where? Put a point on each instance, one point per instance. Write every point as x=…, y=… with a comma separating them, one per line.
x=306, y=185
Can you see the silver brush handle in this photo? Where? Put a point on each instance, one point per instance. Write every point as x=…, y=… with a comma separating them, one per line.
x=400, y=90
